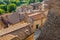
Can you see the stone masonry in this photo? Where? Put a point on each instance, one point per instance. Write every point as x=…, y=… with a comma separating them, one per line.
x=51, y=28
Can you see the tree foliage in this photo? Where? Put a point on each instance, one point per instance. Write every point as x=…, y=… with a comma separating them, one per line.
x=10, y=5
x=4, y=7
x=1, y=11
x=40, y=0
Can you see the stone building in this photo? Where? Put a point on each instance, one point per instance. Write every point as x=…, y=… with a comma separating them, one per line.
x=22, y=30
x=51, y=28
x=35, y=5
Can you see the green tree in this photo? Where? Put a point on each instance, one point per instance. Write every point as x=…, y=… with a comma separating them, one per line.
x=40, y=0
x=7, y=2
x=32, y=1
x=18, y=3
x=36, y=0
x=4, y=7
x=27, y=2
x=1, y=2
x=11, y=7
x=1, y=11
x=13, y=1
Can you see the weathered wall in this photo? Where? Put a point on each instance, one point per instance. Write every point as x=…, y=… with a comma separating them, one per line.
x=1, y=24
x=51, y=28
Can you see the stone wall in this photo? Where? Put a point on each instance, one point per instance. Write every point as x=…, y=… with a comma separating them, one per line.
x=51, y=28
x=1, y=24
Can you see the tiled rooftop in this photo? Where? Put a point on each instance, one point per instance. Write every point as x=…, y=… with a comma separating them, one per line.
x=13, y=28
